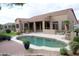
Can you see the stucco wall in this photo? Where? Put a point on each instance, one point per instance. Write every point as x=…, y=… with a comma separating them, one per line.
x=60, y=18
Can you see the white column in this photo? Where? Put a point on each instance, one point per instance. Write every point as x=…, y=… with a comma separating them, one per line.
x=23, y=27
x=19, y=27
x=60, y=25
x=43, y=22
x=34, y=27
x=51, y=27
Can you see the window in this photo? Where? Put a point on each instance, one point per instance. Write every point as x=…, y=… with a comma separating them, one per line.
x=55, y=25
x=47, y=25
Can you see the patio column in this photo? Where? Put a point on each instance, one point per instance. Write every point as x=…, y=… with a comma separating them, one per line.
x=60, y=25
x=23, y=27
x=51, y=27
x=43, y=22
x=28, y=27
x=34, y=27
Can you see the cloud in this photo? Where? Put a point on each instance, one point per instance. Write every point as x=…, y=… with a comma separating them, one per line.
x=36, y=7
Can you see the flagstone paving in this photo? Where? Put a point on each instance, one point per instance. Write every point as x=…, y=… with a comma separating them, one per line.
x=15, y=49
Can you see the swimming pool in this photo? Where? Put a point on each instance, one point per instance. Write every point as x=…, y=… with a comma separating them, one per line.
x=41, y=41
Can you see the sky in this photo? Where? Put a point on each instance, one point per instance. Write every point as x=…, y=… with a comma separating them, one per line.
x=36, y=7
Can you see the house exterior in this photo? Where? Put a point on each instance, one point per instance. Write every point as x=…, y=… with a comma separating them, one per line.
x=10, y=26
x=48, y=23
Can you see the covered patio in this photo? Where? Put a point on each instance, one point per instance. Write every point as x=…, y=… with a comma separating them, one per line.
x=40, y=26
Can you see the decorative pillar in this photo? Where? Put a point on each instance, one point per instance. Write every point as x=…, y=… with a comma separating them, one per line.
x=34, y=27
x=60, y=25
x=43, y=22
x=28, y=27
x=23, y=27
x=51, y=27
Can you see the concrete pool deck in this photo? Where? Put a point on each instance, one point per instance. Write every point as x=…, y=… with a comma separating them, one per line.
x=16, y=48
x=13, y=48
x=58, y=37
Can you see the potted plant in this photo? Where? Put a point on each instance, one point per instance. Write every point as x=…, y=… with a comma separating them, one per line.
x=26, y=44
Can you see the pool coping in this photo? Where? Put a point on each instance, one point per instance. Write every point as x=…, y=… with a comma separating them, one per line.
x=39, y=47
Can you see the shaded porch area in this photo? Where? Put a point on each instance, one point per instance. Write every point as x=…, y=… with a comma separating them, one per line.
x=41, y=26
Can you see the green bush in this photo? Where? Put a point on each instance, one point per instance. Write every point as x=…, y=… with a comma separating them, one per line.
x=8, y=31
x=76, y=39
x=63, y=51
x=74, y=46
x=26, y=44
x=4, y=37
x=18, y=33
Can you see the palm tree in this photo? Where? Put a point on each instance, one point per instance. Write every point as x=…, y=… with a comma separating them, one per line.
x=66, y=22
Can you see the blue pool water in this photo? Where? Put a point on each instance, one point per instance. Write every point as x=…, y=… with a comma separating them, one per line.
x=40, y=41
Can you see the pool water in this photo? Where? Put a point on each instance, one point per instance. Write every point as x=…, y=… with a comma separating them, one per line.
x=40, y=41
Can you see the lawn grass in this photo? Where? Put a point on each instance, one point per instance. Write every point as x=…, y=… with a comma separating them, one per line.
x=8, y=34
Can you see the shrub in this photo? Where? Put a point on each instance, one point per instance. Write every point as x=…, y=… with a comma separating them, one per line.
x=76, y=39
x=74, y=46
x=26, y=44
x=18, y=33
x=4, y=37
x=8, y=31
x=63, y=51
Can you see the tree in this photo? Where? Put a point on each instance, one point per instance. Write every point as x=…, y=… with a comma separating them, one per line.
x=8, y=31
x=66, y=22
x=20, y=4
x=11, y=5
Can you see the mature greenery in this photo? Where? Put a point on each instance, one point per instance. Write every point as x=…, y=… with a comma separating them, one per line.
x=11, y=4
x=74, y=45
x=8, y=31
x=76, y=39
x=4, y=37
x=8, y=34
x=19, y=4
x=18, y=33
x=63, y=51
x=66, y=22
